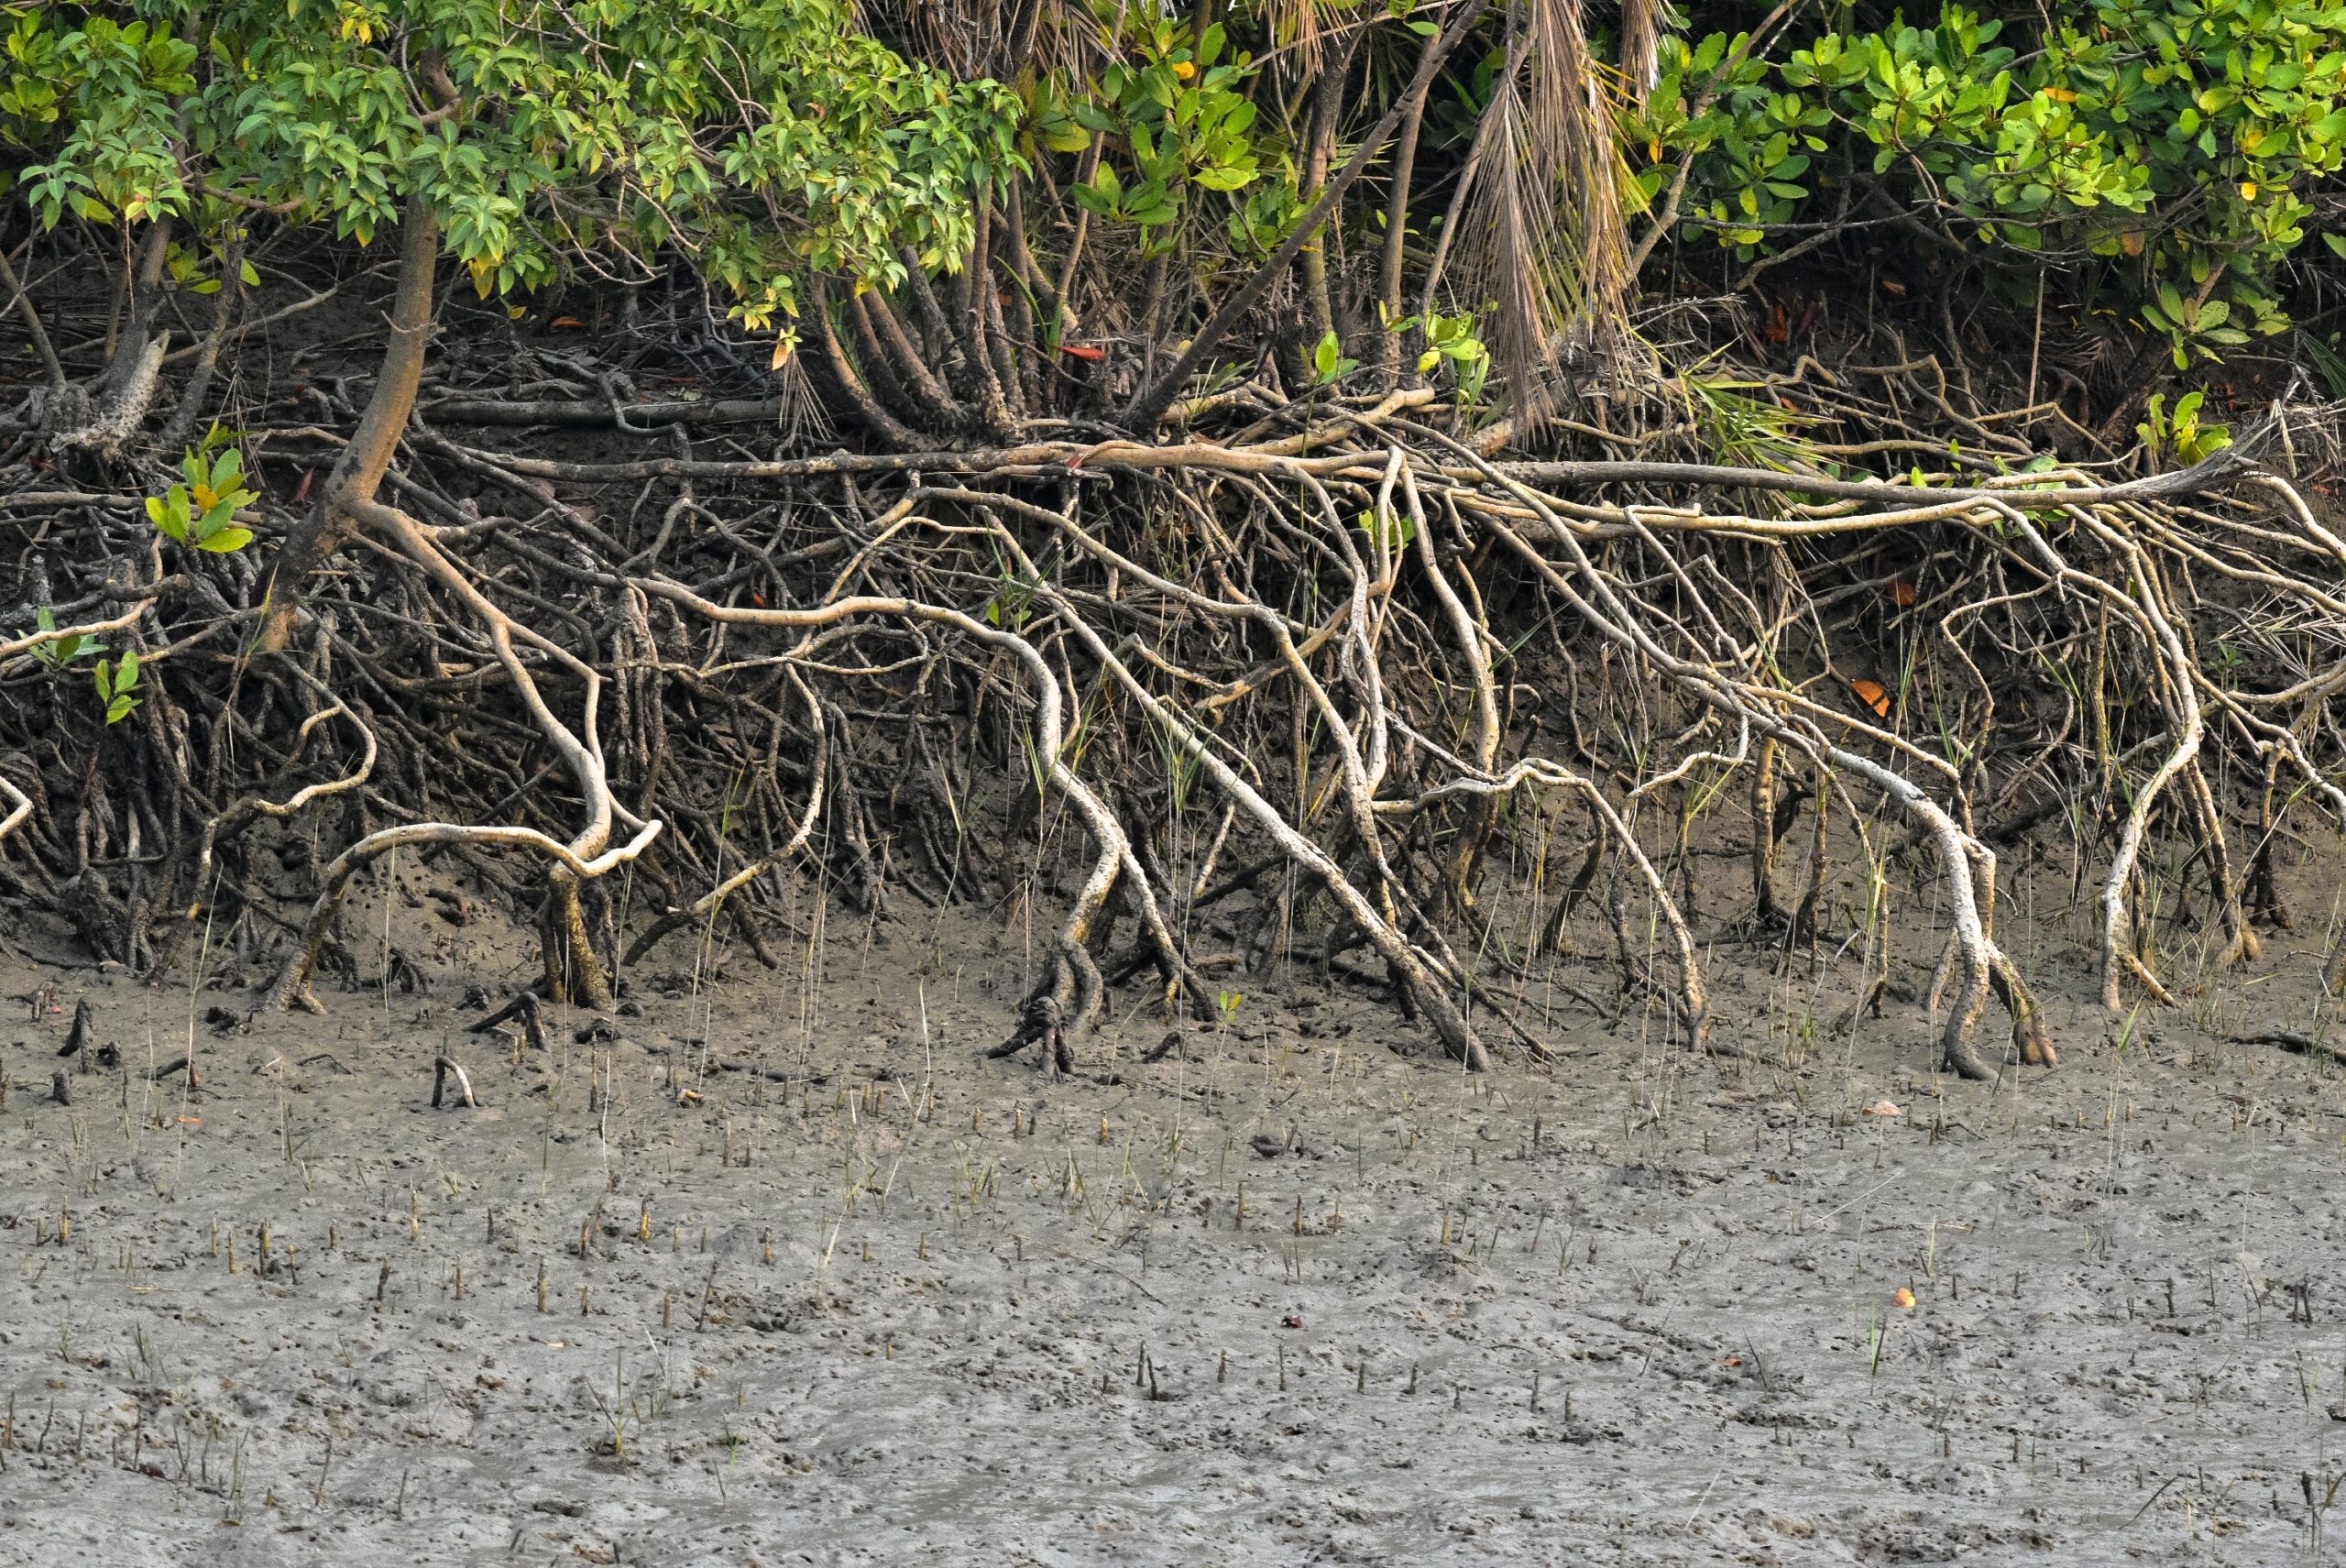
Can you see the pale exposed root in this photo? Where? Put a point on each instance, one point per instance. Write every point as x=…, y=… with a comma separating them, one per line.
x=20, y=808
x=443, y=1068
x=1071, y=987
x=1334, y=669
x=1606, y=609
x=92, y=629
x=1065, y=1002
x=573, y=969
x=292, y=989
x=1763, y=832
x=574, y=972
x=1413, y=976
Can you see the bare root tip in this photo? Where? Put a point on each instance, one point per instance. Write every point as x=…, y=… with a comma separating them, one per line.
x=1960, y=1059
x=296, y=999
x=2031, y=1038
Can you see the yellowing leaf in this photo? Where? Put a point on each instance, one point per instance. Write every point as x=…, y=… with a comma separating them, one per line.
x=1904, y=1297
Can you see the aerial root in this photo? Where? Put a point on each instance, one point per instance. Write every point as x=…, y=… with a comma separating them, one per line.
x=1331, y=679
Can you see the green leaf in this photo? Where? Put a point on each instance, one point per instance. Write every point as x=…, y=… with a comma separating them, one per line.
x=225, y=541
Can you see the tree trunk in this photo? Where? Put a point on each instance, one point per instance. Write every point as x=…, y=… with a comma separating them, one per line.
x=360, y=472
x=1388, y=348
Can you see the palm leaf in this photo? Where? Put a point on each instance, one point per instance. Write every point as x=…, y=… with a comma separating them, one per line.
x=1641, y=22
x=1543, y=236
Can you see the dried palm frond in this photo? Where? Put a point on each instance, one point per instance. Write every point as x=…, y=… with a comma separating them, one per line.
x=1296, y=29
x=974, y=37
x=803, y=419
x=1543, y=236
x=1642, y=23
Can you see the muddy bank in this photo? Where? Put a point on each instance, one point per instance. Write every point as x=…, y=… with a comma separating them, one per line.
x=784, y=1271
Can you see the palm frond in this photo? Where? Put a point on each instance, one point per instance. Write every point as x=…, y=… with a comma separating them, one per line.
x=1543, y=236
x=978, y=37
x=1641, y=22
x=1296, y=29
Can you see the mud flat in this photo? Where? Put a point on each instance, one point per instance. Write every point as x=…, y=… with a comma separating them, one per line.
x=783, y=1270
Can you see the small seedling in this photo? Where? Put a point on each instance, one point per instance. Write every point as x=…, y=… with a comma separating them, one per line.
x=200, y=513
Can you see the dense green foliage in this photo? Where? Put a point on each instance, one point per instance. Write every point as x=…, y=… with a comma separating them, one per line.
x=768, y=138
x=2155, y=163
x=2173, y=147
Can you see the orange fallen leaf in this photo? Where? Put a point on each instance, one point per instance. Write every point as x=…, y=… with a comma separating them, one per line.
x=567, y=321
x=1902, y=594
x=1087, y=351
x=1730, y=1360
x=1883, y=1108
x=1872, y=694
x=190, y=1121
x=1904, y=1297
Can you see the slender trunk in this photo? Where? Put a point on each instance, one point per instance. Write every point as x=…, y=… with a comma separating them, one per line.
x=1031, y=286
x=936, y=330
x=50, y=365
x=226, y=305
x=1396, y=228
x=1011, y=364
x=1063, y=318
x=360, y=472
x=882, y=423
x=146, y=294
x=882, y=330
x=993, y=403
x=1144, y=411
x=1327, y=111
